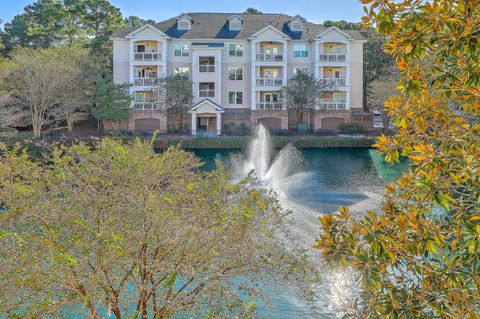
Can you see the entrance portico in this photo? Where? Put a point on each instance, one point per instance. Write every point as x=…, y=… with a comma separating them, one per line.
x=206, y=117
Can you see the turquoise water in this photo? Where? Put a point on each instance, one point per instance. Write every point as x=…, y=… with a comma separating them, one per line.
x=330, y=178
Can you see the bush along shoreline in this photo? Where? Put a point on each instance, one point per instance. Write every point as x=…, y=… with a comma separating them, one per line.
x=240, y=142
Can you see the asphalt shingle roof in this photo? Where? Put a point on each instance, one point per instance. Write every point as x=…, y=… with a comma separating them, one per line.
x=210, y=26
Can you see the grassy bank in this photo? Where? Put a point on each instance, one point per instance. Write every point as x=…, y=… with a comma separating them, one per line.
x=277, y=141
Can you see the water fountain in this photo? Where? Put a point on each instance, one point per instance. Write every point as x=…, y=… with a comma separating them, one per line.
x=260, y=159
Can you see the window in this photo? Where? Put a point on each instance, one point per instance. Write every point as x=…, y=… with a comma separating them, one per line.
x=140, y=48
x=235, y=25
x=300, y=51
x=181, y=49
x=182, y=70
x=300, y=70
x=296, y=26
x=206, y=64
x=235, y=74
x=206, y=89
x=235, y=97
x=235, y=49
x=183, y=25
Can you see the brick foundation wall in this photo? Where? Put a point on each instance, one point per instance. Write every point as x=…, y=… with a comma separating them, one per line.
x=256, y=115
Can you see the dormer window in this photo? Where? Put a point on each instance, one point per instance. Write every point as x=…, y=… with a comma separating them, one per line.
x=184, y=22
x=235, y=23
x=296, y=25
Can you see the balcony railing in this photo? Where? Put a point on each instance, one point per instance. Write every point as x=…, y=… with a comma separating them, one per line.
x=333, y=81
x=331, y=105
x=270, y=82
x=148, y=56
x=148, y=106
x=270, y=105
x=206, y=93
x=146, y=81
x=207, y=68
x=333, y=57
x=271, y=57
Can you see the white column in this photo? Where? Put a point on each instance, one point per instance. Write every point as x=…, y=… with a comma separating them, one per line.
x=219, y=123
x=132, y=58
x=165, y=57
x=347, y=98
x=253, y=74
x=194, y=123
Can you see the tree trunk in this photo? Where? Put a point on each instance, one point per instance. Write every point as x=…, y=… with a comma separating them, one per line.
x=70, y=123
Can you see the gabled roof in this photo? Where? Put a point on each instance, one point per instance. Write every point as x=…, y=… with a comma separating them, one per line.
x=331, y=29
x=213, y=26
x=149, y=26
x=269, y=27
x=217, y=107
x=235, y=16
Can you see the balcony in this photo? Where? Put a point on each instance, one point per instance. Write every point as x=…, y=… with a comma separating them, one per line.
x=333, y=81
x=333, y=57
x=206, y=68
x=147, y=56
x=148, y=106
x=147, y=81
x=326, y=105
x=206, y=93
x=270, y=57
x=270, y=81
x=279, y=105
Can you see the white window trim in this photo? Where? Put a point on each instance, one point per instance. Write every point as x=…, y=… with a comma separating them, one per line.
x=182, y=46
x=304, y=69
x=236, y=51
x=236, y=68
x=235, y=99
x=306, y=50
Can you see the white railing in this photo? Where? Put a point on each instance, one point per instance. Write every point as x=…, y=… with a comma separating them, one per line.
x=206, y=93
x=146, y=81
x=147, y=106
x=333, y=81
x=148, y=56
x=270, y=82
x=207, y=68
x=331, y=105
x=272, y=57
x=333, y=57
x=270, y=105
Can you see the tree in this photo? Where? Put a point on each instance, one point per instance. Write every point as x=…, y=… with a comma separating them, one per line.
x=176, y=91
x=101, y=19
x=120, y=229
x=135, y=22
x=419, y=258
x=35, y=79
x=112, y=102
x=379, y=91
x=79, y=72
x=253, y=11
x=302, y=91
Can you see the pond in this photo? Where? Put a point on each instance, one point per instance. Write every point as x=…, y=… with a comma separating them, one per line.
x=328, y=178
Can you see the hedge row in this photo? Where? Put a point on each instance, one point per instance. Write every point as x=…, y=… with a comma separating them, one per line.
x=239, y=142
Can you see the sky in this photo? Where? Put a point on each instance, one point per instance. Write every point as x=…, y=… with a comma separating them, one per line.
x=315, y=11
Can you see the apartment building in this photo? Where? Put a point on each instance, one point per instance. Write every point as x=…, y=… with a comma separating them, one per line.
x=238, y=64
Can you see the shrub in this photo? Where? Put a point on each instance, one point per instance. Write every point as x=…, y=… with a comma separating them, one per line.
x=7, y=131
x=350, y=128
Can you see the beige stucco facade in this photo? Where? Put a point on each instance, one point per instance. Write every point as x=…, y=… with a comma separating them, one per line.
x=248, y=79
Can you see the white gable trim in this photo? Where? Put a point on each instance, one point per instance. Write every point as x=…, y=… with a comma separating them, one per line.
x=331, y=29
x=132, y=34
x=269, y=27
x=217, y=107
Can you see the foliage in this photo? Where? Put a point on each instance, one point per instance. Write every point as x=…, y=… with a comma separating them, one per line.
x=379, y=91
x=46, y=86
x=420, y=258
x=241, y=142
x=176, y=93
x=136, y=22
x=49, y=23
x=350, y=128
x=253, y=11
x=302, y=91
x=120, y=229
x=112, y=101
